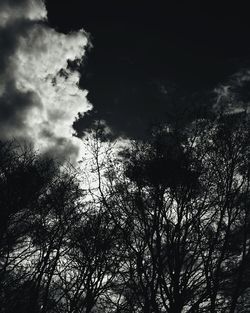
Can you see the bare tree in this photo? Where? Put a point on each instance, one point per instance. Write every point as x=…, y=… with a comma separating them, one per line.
x=177, y=200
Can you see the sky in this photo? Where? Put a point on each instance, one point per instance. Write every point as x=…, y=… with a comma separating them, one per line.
x=66, y=66
x=39, y=92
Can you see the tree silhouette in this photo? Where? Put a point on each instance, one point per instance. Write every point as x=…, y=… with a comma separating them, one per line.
x=163, y=225
x=179, y=200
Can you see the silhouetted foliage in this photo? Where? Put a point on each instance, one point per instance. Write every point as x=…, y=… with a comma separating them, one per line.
x=163, y=225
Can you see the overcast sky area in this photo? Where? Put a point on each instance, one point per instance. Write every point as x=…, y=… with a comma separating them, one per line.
x=73, y=63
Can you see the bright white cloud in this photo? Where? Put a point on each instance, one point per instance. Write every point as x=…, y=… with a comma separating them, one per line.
x=38, y=69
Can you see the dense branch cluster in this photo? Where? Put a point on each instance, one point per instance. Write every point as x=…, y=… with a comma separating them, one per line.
x=164, y=228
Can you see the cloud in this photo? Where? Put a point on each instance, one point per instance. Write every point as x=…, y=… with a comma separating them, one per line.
x=233, y=95
x=11, y=10
x=39, y=92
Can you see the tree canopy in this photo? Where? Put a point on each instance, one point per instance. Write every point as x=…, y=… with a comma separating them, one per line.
x=164, y=228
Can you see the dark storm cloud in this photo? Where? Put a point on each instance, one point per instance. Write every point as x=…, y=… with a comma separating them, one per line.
x=152, y=63
x=8, y=45
x=14, y=106
x=9, y=37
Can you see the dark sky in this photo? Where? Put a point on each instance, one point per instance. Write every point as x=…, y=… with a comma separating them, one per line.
x=151, y=63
